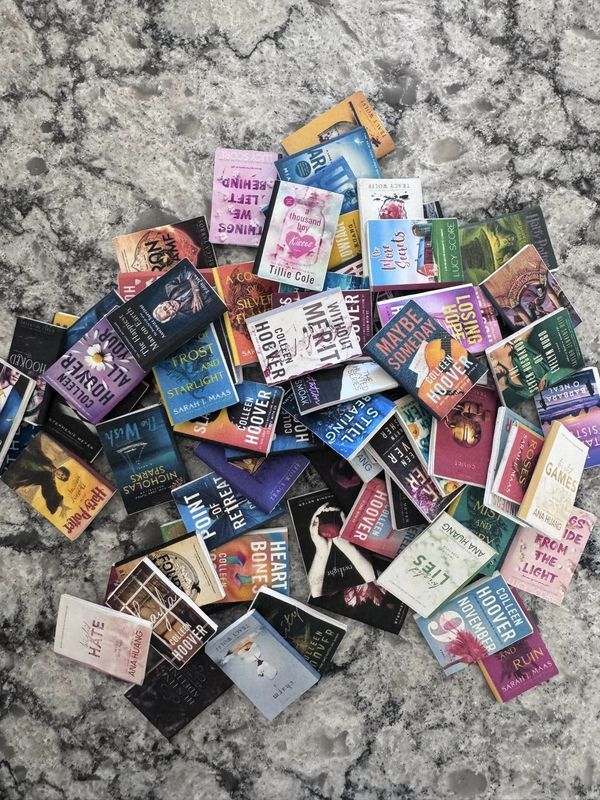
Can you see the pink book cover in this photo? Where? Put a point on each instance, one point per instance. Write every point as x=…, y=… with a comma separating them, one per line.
x=521, y=454
x=543, y=566
x=129, y=284
x=369, y=523
x=242, y=185
x=462, y=445
x=103, y=639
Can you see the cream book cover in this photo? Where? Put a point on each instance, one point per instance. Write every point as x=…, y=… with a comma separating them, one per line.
x=435, y=565
x=551, y=493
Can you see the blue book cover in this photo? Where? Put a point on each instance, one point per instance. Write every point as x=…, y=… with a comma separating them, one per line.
x=15, y=393
x=482, y=620
x=333, y=280
x=24, y=434
x=346, y=427
x=141, y=450
x=355, y=146
x=194, y=380
x=269, y=671
x=338, y=177
x=211, y=507
x=291, y=435
x=93, y=315
x=264, y=481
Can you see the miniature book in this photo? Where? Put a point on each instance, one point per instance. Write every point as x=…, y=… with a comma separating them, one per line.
x=16, y=391
x=368, y=603
x=158, y=249
x=369, y=523
x=340, y=384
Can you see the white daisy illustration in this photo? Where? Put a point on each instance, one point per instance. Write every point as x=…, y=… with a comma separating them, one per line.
x=97, y=357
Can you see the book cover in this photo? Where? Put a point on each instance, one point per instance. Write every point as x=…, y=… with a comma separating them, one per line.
x=519, y=667
x=162, y=317
x=338, y=475
x=255, y=559
x=186, y=563
x=524, y=290
x=365, y=466
x=461, y=444
x=404, y=513
x=211, y=507
x=86, y=321
x=341, y=118
x=435, y=565
x=347, y=245
x=340, y=384
x=369, y=523
x=416, y=423
x=96, y=373
x=260, y=662
x=485, y=246
x=391, y=448
x=368, y=603
x=22, y=436
x=337, y=177
x=35, y=345
x=158, y=249
x=194, y=380
x=544, y=566
x=264, y=481
x=425, y=359
x=304, y=336
x=550, y=495
x=242, y=185
x=16, y=391
x=143, y=456
x=171, y=698
x=102, y=639
x=493, y=528
x=389, y=198
x=521, y=452
x=292, y=435
x=170, y=531
x=482, y=620
x=331, y=563
x=64, y=320
x=248, y=425
x=61, y=487
x=298, y=236
x=245, y=295
x=346, y=427
x=130, y=284
x=463, y=311
x=179, y=628
x=576, y=403
x=315, y=636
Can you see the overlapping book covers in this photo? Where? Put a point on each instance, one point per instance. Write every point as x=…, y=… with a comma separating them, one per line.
x=429, y=488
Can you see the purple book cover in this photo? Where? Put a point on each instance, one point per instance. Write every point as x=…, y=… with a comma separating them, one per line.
x=464, y=311
x=264, y=481
x=96, y=373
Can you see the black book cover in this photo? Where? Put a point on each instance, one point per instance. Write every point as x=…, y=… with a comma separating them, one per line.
x=168, y=312
x=171, y=698
x=338, y=475
x=35, y=346
x=93, y=315
x=404, y=513
x=367, y=603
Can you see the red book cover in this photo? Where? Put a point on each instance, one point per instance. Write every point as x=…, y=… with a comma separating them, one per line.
x=369, y=523
x=521, y=453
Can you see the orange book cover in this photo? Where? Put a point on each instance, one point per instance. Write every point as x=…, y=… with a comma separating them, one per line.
x=256, y=559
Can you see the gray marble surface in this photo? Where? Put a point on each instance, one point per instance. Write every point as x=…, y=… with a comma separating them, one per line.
x=111, y=112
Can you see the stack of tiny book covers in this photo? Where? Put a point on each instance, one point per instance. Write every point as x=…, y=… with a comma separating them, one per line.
x=392, y=352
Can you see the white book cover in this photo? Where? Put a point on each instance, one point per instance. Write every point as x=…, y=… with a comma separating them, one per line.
x=388, y=198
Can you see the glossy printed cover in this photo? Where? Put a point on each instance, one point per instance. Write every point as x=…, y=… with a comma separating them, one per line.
x=24, y=433
x=93, y=315
x=369, y=523
x=404, y=513
x=245, y=295
x=337, y=177
x=347, y=246
x=242, y=185
x=429, y=363
x=331, y=563
x=292, y=435
x=489, y=244
x=130, y=284
x=142, y=453
x=340, y=384
x=354, y=110
x=177, y=306
x=464, y=311
x=158, y=249
x=298, y=235
x=179, y=628
x=368, y=603
x=270, y=672
x=482, y=620
x=96, y=373
x=304, y=336
x=255, y=559
x=389, y=198
x=170, y=531
x=576, y=403
x=461, y=443
x=524, y=290
x=521, y=452
x=346, y=427
x=61, y=487
x=102, y=639
x=16, y=390
x=416, y=423
x=63, y=319
x=338, y=475
x=544, y=566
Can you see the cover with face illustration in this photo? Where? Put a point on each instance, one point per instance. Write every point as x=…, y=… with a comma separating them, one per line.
x=158, y=249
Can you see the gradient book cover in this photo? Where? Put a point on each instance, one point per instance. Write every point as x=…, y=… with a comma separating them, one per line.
x=158, y=249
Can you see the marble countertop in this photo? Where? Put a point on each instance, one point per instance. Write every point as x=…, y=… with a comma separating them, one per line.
x=111, y=112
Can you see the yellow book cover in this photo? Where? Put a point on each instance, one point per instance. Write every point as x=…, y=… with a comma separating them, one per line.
x=63, y=320
x=351, y=112
x=346, y=242
x=54, y=481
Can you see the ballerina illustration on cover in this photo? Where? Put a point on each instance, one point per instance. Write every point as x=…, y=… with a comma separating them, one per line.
x=247, y=651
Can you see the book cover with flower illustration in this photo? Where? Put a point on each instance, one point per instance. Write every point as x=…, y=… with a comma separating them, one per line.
x=260, y=662
x=142, y=453
x=96, y=373
x=482, y=620
x=368, y=603
x=255, y=559
x=158, y=249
